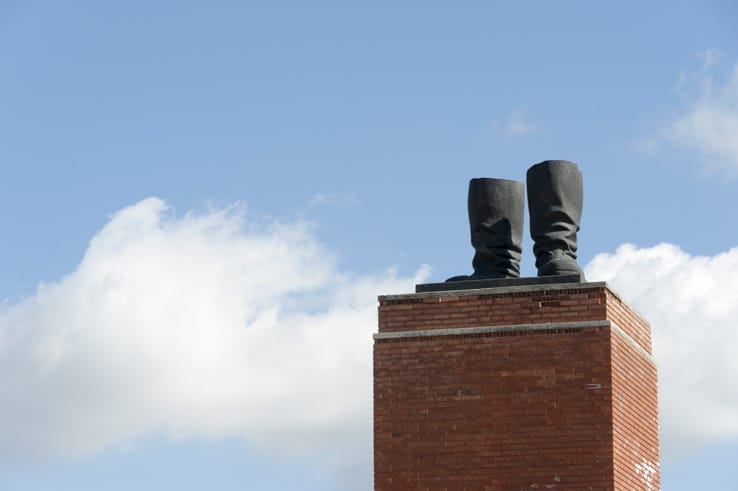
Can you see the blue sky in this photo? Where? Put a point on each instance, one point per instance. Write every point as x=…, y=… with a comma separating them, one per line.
x=201, y=200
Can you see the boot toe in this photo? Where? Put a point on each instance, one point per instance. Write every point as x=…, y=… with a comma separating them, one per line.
x=561, y=266
x=462, y=277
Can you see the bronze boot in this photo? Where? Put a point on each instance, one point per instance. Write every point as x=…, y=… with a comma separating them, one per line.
x=496, y=222
x=555, y=204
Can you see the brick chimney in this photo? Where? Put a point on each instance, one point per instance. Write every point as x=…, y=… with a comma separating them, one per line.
x=514, y=387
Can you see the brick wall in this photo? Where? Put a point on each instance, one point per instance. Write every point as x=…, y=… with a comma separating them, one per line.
x=537, y=387
x=635, y=418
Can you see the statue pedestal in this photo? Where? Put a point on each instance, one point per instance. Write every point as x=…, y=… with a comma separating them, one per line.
x=547, y=386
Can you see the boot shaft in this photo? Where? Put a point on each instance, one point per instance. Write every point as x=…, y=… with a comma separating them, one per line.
x=496, y=208
x=555, y=199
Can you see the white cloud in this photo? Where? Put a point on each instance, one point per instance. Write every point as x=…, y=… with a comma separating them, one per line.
x=709, y=124
x=348, y=198
x=215, y=325
x=692, y=305
x=517, y=124
x=202, y=326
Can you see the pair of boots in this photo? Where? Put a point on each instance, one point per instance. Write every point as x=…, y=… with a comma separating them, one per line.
x=496, y=221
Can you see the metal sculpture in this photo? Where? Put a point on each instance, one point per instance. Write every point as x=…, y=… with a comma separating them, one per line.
x=495, y=206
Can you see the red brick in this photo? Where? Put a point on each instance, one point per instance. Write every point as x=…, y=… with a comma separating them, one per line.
x=570, y=408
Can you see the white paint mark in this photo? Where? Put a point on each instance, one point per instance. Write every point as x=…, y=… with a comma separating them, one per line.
x=535, y=485
x=647, y=470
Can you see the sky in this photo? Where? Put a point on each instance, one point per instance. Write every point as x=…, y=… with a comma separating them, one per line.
x=201, y=201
